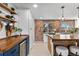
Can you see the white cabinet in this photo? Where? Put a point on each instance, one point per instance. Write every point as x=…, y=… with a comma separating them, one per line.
x=45, y=38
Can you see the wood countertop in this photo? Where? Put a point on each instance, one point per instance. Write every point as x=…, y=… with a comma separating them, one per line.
x=57, y=38
x=9, y=42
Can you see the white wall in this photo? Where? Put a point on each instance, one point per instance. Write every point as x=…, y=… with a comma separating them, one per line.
x=23, y=20
x=26, y=22
x=31, y=28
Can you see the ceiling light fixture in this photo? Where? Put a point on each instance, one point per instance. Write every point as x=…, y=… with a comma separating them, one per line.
x=62, y=19
x=35, y=5
x=78, y=11
x=62, y=7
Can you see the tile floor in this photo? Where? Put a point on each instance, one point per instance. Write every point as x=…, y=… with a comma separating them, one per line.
x=39, y=49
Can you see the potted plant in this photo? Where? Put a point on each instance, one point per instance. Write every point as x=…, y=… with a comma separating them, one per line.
x=18, y=31
x=73, y=31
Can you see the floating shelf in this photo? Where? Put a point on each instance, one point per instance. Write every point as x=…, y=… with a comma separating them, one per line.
x=7, y=8
x=4, y=18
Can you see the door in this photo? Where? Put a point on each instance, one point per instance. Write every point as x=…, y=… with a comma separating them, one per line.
x=38, y=30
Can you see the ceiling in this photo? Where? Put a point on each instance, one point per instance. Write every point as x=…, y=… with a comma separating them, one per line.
x=50, y=10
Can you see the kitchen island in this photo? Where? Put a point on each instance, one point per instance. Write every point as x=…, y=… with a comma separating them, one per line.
x=55, y=40
x=10, y=46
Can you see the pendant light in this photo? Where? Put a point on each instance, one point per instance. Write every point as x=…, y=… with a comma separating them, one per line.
x=78, y=12
x=62, y=8
x=62, y=18
x=77, y=19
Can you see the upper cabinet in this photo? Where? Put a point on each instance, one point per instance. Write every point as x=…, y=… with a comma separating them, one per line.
x=8, y=8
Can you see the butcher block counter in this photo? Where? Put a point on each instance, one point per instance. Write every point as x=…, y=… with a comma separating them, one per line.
x=9, y=43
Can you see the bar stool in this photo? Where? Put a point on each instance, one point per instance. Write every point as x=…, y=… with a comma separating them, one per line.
x=74, y=50
x=61, y=51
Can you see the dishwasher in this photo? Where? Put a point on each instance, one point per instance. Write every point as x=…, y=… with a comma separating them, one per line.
x=23, y=48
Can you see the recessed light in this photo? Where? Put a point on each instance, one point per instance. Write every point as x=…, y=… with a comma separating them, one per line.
x=35, y=5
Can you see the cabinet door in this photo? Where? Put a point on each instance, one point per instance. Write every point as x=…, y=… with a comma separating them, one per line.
x=38, y=30
x=1, y=54
x=13, y=51
x=27, y=41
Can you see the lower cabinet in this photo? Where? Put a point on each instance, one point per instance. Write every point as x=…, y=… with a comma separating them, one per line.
x=13, y=51
x=45, y=38
x=21, y=49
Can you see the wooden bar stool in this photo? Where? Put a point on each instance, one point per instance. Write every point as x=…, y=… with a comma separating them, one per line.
x=62, y=51
x=74, y=50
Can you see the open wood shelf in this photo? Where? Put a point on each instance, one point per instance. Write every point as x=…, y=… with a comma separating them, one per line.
x=4, y=18
x=7, y=8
